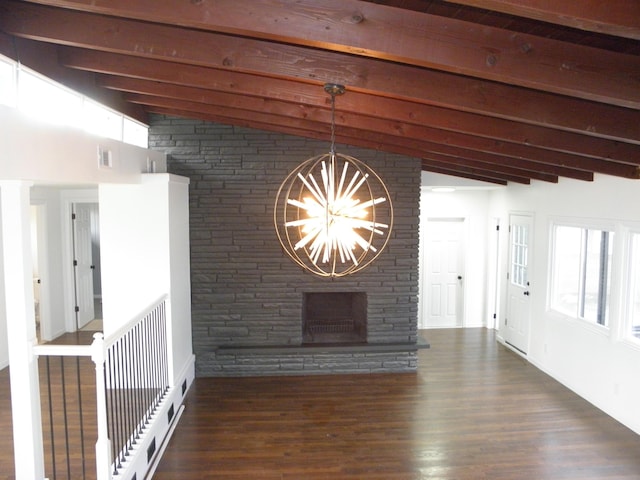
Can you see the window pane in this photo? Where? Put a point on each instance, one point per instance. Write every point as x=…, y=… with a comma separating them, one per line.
x=519, y=255
x=634, y=323
x=7, y=83
x=47, y=101
x=135, y=133
x=102, y=121
x=566, y=269
x=597, y=276
x=581, y=273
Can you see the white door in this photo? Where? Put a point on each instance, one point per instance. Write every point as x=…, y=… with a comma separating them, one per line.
x=443, y=281
x=518, y=286
x=83, y=263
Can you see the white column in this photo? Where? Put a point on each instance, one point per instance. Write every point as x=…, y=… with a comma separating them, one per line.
x=21, y=330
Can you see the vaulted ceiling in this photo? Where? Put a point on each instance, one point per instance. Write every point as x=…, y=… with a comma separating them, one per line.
x=494, y=90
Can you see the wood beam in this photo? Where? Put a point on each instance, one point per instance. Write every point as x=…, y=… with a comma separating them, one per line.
x=613, y=17
x=300, y=133
x=378, y=140
x=401, y=130
x=453, y=92
x=403, y=114
x=247, y=85
x=471, y=174
x=421, y=139
x=377, y=31
x=479, y=171
x=205, y=78
x=491, y=167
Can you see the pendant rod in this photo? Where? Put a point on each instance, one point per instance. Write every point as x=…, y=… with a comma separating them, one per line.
x=333, y=89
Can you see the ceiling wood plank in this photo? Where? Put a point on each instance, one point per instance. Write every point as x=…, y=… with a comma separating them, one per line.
x=613, y=17
x=413, y=38
x=360, y=74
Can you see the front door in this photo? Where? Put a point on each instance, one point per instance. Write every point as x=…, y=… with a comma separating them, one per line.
x=443, y=282
x=519, y=284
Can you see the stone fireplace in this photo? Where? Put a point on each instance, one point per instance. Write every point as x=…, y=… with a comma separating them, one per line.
x=334, y=317
x=249, y=300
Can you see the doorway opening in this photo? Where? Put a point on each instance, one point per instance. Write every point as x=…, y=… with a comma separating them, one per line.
x=39, y=261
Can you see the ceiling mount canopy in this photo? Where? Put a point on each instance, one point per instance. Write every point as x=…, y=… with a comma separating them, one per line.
x=333, y=214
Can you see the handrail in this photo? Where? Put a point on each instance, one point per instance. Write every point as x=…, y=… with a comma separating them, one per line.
x=63, y=350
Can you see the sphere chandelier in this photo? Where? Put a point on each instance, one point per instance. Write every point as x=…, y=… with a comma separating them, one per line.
x=333, y=214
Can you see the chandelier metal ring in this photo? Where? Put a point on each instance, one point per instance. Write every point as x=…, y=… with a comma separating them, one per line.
x=333, y=214
x=324, y=226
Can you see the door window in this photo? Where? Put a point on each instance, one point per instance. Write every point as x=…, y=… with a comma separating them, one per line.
x=519, y=255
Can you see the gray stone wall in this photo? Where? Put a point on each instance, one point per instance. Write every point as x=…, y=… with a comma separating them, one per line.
x=246, y=293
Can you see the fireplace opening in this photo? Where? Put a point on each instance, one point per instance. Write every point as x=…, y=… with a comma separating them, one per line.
x=334, y=317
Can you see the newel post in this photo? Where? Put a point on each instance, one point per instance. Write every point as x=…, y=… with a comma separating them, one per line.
x=103, y=444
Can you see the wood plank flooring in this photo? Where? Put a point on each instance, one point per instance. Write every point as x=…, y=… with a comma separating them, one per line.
x=474, y=410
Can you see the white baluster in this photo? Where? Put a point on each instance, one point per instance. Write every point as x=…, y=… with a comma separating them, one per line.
x=103, y=444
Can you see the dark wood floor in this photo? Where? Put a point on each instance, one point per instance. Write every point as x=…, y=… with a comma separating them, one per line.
x=473, y=411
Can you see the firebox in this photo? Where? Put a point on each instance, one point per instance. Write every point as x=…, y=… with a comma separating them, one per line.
x=334, y=317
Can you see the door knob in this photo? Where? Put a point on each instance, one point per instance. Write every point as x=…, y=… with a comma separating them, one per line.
x=526, y=293
x=459, y=277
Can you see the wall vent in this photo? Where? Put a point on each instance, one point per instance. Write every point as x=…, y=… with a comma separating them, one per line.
x=170, y=414
x=151, y=450
x=105, y=157
x=184, y=387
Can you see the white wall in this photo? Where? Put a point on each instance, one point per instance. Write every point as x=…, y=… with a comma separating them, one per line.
x=144, y=253
x=597, y=365
x=4, y=344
